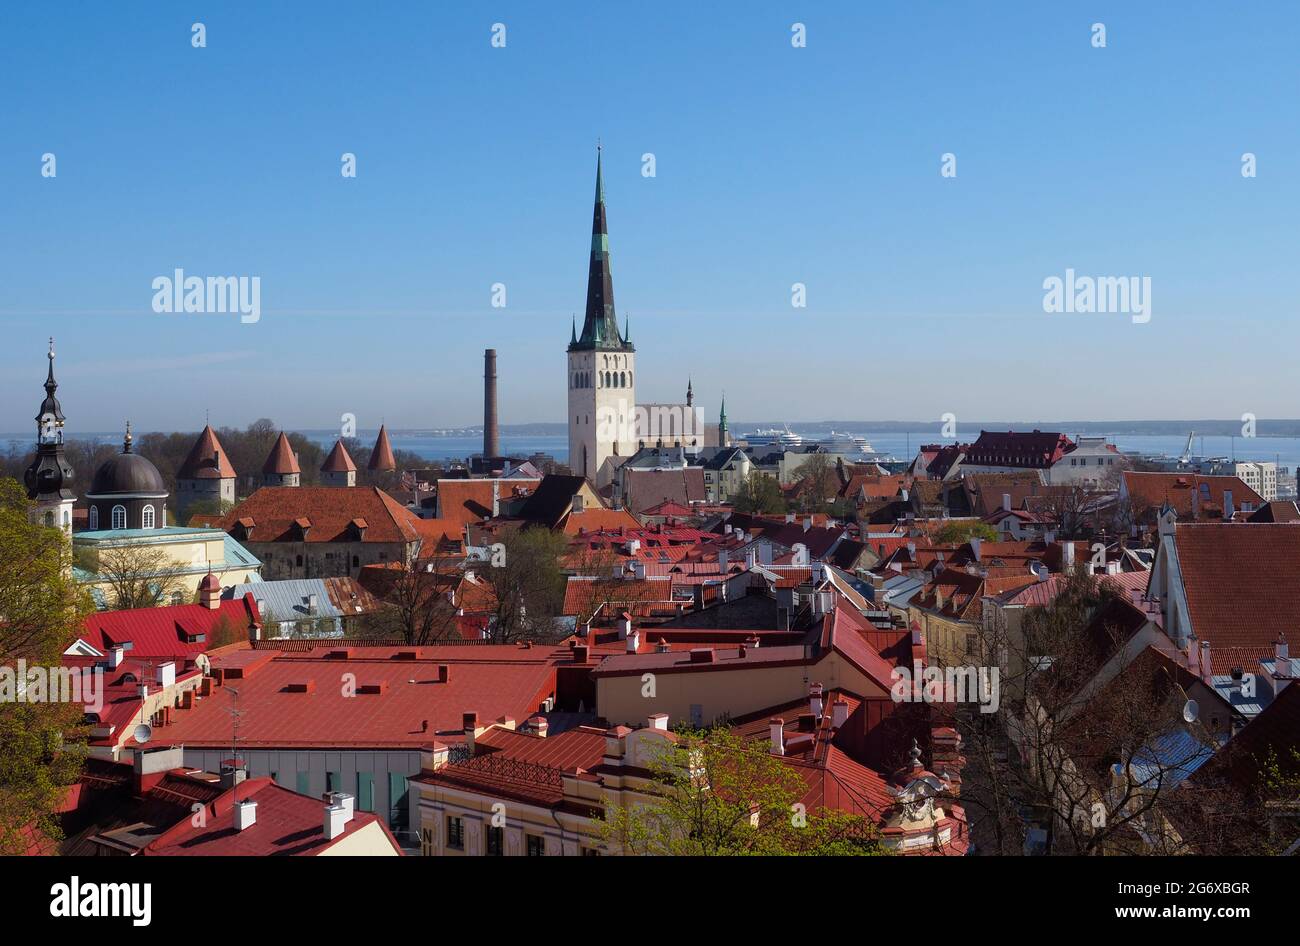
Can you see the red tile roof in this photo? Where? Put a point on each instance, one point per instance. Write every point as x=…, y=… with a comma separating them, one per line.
x=470, y=501
x=1237, y=579
x=329, y=511
x=1148, y=492
x=281, y=460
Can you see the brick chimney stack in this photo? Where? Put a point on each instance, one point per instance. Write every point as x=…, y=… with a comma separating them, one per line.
x=491, y=435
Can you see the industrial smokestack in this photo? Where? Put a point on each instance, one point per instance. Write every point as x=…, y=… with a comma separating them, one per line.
x=491, y=436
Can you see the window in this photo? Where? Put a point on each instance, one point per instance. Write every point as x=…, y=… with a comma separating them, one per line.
x=332, y=782
x=93, y=518
x=590, y=852
x=177, y=598
x=146, y=518
x=396, y=801
x=496, y=841
x=366, y=791
x=298, y=561
x=302, y=783
x=356, y=561
x=455, y=833
x=49, y=518
x=536, y=845
x=119, y=517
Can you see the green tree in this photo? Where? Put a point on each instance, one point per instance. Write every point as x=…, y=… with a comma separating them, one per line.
x=959, y=533
x=759, y=494
x=527, y=584
x=42, y=745
x=717, y=795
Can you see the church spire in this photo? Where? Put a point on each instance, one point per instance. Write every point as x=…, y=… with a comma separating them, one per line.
x=600, y=323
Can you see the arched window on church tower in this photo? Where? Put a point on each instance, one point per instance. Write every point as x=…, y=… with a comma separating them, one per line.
x=119, y=517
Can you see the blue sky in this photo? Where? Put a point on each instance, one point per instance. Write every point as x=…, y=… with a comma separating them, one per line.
x=775, y=165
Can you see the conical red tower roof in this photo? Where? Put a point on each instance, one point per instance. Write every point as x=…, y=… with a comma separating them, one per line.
x=339, y=461
x=207, y=459
x=281, y=460
x=381, y=458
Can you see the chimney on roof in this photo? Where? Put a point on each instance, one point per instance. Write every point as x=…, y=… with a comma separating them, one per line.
x=491, y=434
x=624, y=626
x=776, y=729
x=975, y=547
x=245, y=814
x=633, y=641
x=839, y=713
x=115, y=655
x=337, y=816
x=444, y=673
x=537, y=725
x=658, y=721
x=815, y=691
x=580, y=654
x=1227, y=505
x=1006, y=501
x=1067, y=554
x=1207, y=674
x=662, y=647
x=789, y=518
x=1281, y=652
x=165, y=674
x=232, y=773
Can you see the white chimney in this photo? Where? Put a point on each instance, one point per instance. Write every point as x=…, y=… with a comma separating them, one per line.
x=634, y=546
x=496, y=498
x=633, y=641
x=245, y=814
x=1281, y=653
x=975, y=547
x=839, y=713
x=1067, y=554
x=776, y=727
x=336, y=818
x=115, y=655
x=789, y=518
x=624, y=626
x=166, y=674
x=638, y=569
x=311, y=603
x=815, y=700
x=807, y=524
x=1227, y=505
x=658, y=721
x=344, y=801
x=1006, y=501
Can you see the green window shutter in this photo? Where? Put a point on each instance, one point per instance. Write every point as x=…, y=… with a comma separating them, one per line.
x=366, y=791
x=304, y=783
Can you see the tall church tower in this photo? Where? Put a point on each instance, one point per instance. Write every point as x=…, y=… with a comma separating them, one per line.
x=49, y=476
x=602, y=364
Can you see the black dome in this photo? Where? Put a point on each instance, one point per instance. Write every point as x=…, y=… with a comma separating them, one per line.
x=127, y=473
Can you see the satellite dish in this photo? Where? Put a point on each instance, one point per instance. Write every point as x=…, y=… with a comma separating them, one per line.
x=1191, y=711
x=143, y=733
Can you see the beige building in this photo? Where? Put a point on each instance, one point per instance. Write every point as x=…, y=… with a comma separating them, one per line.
x=182, y=555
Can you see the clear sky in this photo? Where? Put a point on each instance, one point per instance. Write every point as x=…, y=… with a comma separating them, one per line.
x=774, y=164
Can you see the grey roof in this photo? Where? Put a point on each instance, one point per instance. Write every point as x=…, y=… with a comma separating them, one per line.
x=127, y=473
x=287, y=600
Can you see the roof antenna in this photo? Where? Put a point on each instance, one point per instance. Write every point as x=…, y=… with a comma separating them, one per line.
x=235, y=715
